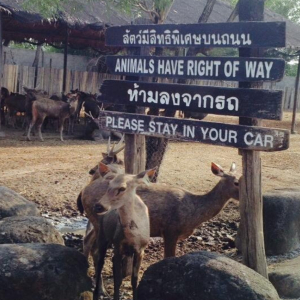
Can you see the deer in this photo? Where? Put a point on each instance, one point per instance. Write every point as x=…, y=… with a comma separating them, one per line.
x=124, y=223
x=45, y=107
x=15, y=103
x=107, y=168
x=174, y=212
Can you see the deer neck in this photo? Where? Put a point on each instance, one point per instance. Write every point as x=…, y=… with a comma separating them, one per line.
x=128, y=212
x=209, y=205
x=73, y=106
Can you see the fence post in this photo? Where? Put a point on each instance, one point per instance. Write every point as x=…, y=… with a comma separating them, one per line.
x=296, y=98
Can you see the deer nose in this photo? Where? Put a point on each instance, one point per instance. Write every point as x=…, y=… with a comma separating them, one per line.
x=92, y=172
x=99, y=208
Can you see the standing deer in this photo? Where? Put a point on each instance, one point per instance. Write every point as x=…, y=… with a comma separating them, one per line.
x=126, y=227
x=174, y=212
x=45, y=107
x=109, y=167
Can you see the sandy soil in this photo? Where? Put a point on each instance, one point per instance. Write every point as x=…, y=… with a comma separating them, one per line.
x=52, y=173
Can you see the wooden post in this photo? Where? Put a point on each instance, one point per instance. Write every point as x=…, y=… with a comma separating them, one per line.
x=135, y=150
x=1, y=70
x=296, y=98
x=65, y=62
x=251, y=206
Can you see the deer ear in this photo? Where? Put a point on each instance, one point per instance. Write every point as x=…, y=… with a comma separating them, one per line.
x=233, y=167
x=103, y=169
x=147, y=176
x=217, y=170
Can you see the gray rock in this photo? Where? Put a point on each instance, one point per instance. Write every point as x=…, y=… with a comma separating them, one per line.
x=13, y=204
x=285, y=276
x=42, y=272
x=28, y=229
x=281, y=210
x=205, y=276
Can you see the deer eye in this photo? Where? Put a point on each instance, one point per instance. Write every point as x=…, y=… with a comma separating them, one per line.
x=121, y=189
x=236, y=183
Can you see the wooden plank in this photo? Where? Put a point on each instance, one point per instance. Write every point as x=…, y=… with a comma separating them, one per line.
x=263, y=104
x=213, y=68
x=244, y=137
x=40, y=78
x=84, y=82
x=242, y=34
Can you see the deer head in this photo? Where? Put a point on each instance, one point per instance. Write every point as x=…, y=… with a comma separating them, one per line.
x=229, y=179
x=110, y=157
x=121, y=189
x=32, y=94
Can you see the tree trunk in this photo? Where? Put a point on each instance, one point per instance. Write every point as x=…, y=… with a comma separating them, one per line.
x=156, y=147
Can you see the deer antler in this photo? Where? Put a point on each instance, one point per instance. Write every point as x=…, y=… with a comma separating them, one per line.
x=116, y=148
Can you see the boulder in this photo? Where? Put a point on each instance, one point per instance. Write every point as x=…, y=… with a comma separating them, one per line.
x=285, y=276
x=206, y=276
x=281, y=210
x=42, y=272
x=28, y=229
x=13, y=204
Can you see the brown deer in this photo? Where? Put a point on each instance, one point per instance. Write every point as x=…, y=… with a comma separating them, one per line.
x=109, y=166
x=174, y=212
x=45, y=107
x=126, y=227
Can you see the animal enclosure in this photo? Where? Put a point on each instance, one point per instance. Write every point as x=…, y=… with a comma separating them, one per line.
x=52, y=174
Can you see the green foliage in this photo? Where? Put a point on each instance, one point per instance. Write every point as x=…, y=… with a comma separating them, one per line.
x=28, y=46
x=291, y=70
x=287, y=8
x=51, y=8
x=134, y=8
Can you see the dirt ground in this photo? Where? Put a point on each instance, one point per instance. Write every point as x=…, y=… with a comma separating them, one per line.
x=52, y=173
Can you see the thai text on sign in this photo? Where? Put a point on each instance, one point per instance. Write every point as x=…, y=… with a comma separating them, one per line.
x=216, y=100
x=242, y=34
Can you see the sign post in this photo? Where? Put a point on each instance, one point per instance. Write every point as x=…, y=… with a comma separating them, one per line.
x=251, y=205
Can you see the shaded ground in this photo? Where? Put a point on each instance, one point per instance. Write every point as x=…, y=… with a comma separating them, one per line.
x=52, y=174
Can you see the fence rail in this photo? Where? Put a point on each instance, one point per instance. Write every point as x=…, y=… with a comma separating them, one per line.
x=50, y=80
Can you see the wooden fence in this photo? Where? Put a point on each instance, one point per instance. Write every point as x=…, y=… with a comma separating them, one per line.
x=50, y=80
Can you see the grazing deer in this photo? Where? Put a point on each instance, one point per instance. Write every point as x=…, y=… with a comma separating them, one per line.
x=174, y=212
x=127, y=228
x=45, y=107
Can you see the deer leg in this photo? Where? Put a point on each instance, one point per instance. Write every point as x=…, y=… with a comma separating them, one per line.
x=137, y=260
x=117, y=272
x=61, y=129
x=99, y=289
x=30, y=127
x=88, y=242
x=170, y=245
x=71, y=126
x=39, y=126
